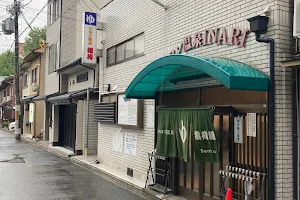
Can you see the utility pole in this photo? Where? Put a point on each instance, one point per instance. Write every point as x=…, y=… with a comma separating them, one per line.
x=17, y=71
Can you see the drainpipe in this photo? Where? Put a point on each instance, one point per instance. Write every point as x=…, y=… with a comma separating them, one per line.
x=271, y=117
x=60, y=39
x=295, y=141
x=87, y=122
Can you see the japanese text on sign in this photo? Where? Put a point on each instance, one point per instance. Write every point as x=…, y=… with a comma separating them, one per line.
x=251, y=124
x=238, y=130
x=89, y=38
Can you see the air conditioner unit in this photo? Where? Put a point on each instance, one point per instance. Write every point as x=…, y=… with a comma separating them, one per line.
x=35, y=87
x=8, y=98
x=297, y=19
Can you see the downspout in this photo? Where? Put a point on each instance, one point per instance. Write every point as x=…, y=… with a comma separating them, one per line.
x=59, y=75
x=295, y=134
x=87, y=111
x=34, y=120
x=87, y=122
x=271, y=117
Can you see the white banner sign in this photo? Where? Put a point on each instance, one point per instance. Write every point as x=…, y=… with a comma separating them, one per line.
x=150, y=116
x=89, y=38
x=117, y=141
x=127, y=111
x=31, y=112
x=130, y=142
x=251, y=124
x=238, y=130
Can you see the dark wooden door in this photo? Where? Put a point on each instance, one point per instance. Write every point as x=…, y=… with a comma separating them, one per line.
x=67, y=126
x=201, y=180
x=253, y=153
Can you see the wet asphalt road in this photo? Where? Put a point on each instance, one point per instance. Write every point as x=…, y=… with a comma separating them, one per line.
x=30, y=173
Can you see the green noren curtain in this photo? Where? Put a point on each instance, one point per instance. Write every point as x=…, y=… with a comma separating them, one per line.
x=176, y=127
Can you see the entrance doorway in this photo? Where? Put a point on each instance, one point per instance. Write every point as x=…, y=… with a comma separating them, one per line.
x=67, y=126
x=202, y=179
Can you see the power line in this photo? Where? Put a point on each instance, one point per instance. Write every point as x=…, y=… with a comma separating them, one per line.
x=26, y=28
x=26, y=21
x=34, y=15
x=95, y=4
x=27, y=3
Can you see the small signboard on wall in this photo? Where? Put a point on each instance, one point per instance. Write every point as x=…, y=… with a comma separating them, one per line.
x=238, y=130
x=150, y=116
x=129, y=111
x=251, y=124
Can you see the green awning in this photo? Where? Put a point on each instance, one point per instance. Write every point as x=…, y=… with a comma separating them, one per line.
x=178, y=67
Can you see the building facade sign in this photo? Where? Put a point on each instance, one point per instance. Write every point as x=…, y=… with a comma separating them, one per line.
x=218, y=36
x=89, y=38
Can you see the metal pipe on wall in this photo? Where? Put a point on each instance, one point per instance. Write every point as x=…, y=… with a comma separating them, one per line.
x=271, y=117
x=295, y=141
x=86, y=145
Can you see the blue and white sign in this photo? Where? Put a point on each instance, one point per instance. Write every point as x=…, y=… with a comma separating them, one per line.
x=89, y=38
x=90, y=18
x=238, y=130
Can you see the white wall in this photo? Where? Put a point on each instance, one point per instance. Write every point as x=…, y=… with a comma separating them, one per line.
x=51, y=79
x=82, y=85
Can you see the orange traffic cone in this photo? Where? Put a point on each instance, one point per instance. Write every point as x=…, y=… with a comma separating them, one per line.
x=228, y=194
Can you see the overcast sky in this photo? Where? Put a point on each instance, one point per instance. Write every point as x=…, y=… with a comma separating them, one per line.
x=30, y=11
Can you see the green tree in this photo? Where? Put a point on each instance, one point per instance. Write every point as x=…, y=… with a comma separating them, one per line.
x=7, y=63
x=32, y=40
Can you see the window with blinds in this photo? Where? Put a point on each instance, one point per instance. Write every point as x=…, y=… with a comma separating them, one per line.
x=52, y=57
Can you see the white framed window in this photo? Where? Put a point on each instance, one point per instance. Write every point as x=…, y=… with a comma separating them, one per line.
x=52, y=58
x=34, y=75
x=127, y=50
x=25, y=80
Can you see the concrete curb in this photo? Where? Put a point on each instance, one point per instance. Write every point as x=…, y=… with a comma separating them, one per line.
x=59, y=154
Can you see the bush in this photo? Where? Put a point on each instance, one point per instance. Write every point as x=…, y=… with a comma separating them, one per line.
x=4, y=124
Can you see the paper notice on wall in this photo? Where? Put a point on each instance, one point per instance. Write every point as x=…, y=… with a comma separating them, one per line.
x=150, y=117
x=238, y=130
x=117, y=141
x=127, y=111
x=130, y=143
x=251, y=124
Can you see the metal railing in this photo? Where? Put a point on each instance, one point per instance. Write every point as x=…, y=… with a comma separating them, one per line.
x=247, y=177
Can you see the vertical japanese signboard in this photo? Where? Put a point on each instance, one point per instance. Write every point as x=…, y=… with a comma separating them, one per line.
x=251, y=124
x=238, y=130
x=31, y=112
x=89, y=38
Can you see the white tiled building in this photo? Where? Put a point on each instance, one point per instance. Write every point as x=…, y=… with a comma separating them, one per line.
x=157, y=31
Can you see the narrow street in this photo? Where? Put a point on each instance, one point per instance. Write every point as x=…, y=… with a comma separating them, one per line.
x=30, y=173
